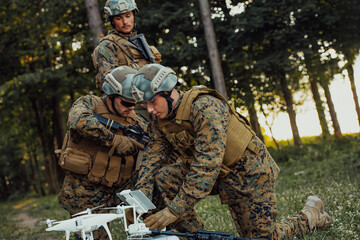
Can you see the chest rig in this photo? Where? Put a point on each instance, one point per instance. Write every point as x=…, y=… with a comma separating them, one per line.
x=88, y=158
x=131, y=56
x=180, y=133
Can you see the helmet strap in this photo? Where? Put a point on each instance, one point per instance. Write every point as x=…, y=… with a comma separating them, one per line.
x=168, y=99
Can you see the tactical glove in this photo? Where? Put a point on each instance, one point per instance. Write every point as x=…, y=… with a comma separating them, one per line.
x=125, y=146
x=161, y=219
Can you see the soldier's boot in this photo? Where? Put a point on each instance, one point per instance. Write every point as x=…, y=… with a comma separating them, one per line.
x=315, y=212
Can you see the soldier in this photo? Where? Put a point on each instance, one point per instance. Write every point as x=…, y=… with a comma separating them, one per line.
x=198, y=124
x=100, y=163
x=115, y=49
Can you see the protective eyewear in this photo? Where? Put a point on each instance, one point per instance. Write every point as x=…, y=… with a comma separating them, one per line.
x=126, y=103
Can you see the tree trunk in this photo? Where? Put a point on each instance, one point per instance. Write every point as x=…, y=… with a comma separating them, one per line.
x=210, y=38
x=269, y=126
x=50, y=169
x=32, y=172
x=289, y=106
x=319, y=107
x=59, y=132
x=350, y=71
x=38, y=172
x=335, y=122
x=254, y=121
x=94, y=19
x=4, y=190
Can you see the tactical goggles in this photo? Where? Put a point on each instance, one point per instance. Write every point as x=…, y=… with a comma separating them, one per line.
x=126, y=103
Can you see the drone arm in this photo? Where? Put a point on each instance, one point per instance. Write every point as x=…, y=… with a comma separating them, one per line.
x=107, y=230
x=67, y=235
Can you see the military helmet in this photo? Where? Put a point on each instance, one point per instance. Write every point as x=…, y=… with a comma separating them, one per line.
x=118, y=82
x=117, y=7
x=152, y=79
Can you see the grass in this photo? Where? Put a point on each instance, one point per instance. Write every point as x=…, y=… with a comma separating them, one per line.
x=329, y=169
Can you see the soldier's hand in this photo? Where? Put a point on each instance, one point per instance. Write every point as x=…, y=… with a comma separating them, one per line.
x=161, y=219
x=122, y=145
x=137, y=144
x=125, y=146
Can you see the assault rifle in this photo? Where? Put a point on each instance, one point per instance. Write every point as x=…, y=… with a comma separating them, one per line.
x=140, y=42
x=203, y=235
x=132, y=131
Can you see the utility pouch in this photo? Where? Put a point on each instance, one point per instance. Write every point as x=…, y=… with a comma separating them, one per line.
x=224, y=171
x=126, y=170
x=99, y=167
x=75, y=161
x=112, y=173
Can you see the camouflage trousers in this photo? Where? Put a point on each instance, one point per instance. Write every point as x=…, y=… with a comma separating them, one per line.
x=78, y=193
x=248, y=190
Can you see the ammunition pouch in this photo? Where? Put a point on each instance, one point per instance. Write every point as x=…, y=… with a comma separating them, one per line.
x=87, y=158
x=75, y=161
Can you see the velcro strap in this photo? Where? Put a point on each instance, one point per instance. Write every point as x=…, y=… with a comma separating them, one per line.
x=126, y=170
x=253, y=147
x=224, y=171
x=129, y=164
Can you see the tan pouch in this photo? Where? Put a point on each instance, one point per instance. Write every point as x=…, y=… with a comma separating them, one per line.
x=99, y=167
x=156, y=54
x=126, y=170
x=113, y=171
x=75, y=161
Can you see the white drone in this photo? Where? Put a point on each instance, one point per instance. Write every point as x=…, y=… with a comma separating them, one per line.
x=86, y=222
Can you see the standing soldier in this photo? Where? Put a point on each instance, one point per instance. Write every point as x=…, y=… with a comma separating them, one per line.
x=122, y=46
x=100, y=163
x=199, y=124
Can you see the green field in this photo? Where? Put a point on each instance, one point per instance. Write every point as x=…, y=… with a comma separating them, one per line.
x=329, y=169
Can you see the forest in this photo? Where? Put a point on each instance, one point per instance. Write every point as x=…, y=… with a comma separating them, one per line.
x=268, y=50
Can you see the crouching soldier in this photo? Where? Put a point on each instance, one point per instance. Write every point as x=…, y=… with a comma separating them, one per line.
x=100, y=163
x=219, y=153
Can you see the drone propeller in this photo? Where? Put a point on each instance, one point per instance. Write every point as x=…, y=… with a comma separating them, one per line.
x=87, y=211
x=49, y=222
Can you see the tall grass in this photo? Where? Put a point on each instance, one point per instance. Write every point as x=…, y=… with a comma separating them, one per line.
x=327, y=168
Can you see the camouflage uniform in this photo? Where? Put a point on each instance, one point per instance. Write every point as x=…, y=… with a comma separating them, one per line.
x=248, y=189
x=78, y=193
x=109, y=55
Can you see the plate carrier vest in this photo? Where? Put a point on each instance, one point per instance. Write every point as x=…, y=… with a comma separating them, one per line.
x=89, y=158
x=132, y=57
x=180, y=133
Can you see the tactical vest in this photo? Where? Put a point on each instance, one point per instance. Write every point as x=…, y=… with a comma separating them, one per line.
x=88, y=158
x=131, y=56
x=180, y=132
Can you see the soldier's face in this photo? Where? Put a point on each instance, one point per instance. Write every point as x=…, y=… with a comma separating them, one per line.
x=124, y=106
x=158, y=106
x=124, y=22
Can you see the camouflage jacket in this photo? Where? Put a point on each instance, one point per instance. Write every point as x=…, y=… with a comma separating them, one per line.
x=209, y=117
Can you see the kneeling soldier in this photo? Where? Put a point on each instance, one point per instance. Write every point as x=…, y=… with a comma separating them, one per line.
x=219, y=153
x=100, y=163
